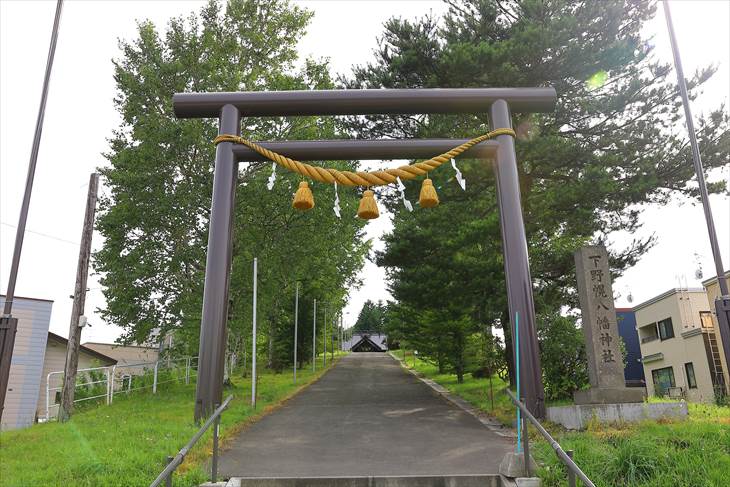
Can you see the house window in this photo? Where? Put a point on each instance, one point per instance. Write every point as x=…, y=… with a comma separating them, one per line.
x=691, y=380
x=650, y=337
x=706, y=320
x=663, y=380
x=666, y=331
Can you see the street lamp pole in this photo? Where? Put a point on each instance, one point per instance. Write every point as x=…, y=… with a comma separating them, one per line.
x=296, y=326
x=324, y=339
x=314, y=338
x=722, y=304
x=8, y=324
x=253, y=333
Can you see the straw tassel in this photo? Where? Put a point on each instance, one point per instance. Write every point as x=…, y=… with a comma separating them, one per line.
x=428, y=197
x=368, y=209
x=303, y=199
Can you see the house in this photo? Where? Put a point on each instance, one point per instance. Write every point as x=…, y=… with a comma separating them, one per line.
x=125, y=354
x=55, y=361
x=26, y=367
x=678, y=342
x=633, y=370
x=366, y=342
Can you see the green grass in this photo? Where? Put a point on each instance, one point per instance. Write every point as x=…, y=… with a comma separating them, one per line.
x=695, y=452
x=126, y=444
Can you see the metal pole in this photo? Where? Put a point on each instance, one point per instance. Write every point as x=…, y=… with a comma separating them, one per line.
x=187, y=370
x=296, y=326
x=723, y=321
x=48, y=394
x=111, y=386
x=209, y=388
x=314, y=338
x=571, y=474
x=253, y=346
x=699, y=171
x=516, y=261
x=168, y=479
x=154, y=381
x=324, y=339
x=214, y=463
x=108, y=386
x=8, y=324
x=20, y=231
x=526, y=445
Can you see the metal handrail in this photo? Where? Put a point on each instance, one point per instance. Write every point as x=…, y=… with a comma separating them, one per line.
x=175, y=462
x=573, y=469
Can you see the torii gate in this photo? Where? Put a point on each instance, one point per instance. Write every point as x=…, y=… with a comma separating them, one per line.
x=229, y=108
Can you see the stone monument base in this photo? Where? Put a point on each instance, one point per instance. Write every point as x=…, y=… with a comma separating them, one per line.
x=605, y=395
x=577, y=417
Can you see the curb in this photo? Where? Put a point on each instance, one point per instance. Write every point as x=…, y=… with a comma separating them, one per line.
x=488, y=421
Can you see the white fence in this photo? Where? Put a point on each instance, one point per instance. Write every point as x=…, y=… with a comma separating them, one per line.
x=119, y=379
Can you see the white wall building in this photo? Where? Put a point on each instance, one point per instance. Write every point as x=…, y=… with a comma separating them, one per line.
x=26, y=367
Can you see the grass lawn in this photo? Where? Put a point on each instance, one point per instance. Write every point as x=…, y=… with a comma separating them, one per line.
x=126, y=444
x=695, y=452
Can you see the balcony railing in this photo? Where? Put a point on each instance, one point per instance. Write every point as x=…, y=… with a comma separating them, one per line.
x=649, y=339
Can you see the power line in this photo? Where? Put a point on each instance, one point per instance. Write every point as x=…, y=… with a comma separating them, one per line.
x=44, y=235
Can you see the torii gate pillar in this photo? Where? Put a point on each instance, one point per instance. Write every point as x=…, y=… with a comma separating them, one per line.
x=516, y=262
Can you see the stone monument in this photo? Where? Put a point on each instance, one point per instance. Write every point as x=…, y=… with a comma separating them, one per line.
x=600, y=328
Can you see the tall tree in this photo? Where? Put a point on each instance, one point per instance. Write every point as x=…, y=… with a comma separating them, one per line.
x=155, y=221
x=371, y=317
x=609, y=147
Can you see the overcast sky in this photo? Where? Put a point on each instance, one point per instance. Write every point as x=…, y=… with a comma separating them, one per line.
x=80, y=116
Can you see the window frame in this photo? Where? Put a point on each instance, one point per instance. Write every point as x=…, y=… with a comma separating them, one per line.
x=671, y=328
x=673, y=382
x=706, y=324
x=691, y=377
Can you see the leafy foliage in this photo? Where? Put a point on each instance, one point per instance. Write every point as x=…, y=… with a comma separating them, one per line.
x=160, y=172
x=563, y=353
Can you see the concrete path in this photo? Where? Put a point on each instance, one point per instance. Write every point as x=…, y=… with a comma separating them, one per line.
x=367, y=416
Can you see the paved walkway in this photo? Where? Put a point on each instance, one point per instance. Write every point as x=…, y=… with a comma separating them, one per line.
x=365, y=417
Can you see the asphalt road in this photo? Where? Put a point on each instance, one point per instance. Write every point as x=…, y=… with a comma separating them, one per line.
x=365, y=417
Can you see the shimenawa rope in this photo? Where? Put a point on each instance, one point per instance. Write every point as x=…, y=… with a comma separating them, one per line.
x=362, y=178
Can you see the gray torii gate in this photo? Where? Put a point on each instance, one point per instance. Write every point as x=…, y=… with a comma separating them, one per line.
x=229, y=108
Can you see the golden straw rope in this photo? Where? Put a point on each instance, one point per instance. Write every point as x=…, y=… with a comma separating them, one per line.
x=361, y=178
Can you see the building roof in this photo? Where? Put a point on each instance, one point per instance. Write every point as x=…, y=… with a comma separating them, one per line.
x=29, y=299
x=84, y=349
x=119, y=345
x=713, y=279
x=367, y=343
x=666, y=294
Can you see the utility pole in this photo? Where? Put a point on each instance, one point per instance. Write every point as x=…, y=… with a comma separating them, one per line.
x=324, y=338
x=74, y=332
x=296, y=326
x=314, y=338
x=253, y=333
x=722, y=304
x=8, y=324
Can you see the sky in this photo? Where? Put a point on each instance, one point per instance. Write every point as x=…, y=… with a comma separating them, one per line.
x=80, y=117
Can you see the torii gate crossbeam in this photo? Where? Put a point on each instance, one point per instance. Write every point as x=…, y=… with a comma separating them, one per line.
x=231, y=107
